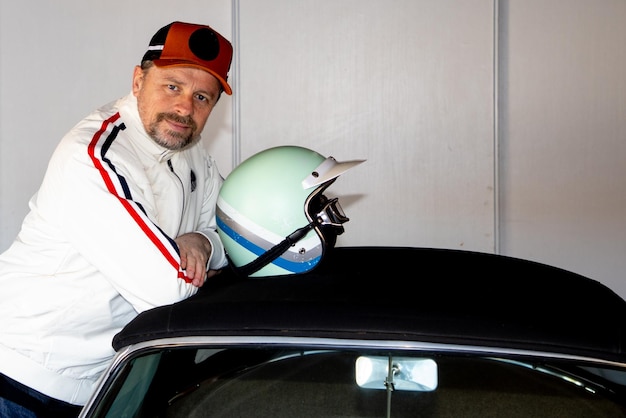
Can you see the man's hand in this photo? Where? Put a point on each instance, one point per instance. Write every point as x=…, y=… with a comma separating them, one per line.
x=195, y=250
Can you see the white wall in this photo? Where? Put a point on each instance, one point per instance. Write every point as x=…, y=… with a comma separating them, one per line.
x=563, y=135
x=533, y=169
x=406, y=84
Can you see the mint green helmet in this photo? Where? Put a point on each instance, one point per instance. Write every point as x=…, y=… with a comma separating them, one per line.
x=272, y=216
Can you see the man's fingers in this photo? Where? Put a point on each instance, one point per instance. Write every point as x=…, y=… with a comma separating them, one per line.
x=195, y=250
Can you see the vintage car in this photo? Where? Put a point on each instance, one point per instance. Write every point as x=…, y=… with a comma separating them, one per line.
x=378, y=332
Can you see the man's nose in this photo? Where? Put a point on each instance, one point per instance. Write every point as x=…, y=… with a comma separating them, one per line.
x=184, y=105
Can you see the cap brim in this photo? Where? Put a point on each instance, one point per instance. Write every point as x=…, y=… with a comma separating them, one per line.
x=180, y=63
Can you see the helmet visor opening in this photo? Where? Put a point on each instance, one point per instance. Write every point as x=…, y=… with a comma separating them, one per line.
x=322, y=211
x=328, y=212
x=325, y=215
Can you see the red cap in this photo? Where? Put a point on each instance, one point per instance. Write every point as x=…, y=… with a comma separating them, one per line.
x=191, y=45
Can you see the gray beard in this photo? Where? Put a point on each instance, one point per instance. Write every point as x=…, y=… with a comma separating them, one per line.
x=183, y=141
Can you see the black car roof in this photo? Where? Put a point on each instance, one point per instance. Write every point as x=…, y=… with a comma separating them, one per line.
x=400, y=293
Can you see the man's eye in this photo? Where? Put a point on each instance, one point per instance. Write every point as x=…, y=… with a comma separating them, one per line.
x=172, y=87
x=206, y=100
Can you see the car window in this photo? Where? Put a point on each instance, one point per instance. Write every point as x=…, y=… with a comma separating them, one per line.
x=259, y=382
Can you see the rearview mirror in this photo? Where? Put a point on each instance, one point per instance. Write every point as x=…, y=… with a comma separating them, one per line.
x=396, y=373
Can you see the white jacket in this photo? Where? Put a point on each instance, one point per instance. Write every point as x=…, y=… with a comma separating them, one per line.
x=97, y=248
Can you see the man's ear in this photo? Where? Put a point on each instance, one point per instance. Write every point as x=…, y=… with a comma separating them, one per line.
x=138, y=76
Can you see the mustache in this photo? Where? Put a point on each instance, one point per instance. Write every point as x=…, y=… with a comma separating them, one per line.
x=185, y=120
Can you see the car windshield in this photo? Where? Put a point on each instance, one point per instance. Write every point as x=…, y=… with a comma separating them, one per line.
x=276, y=382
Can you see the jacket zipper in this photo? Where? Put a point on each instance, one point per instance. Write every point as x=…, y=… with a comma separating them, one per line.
x=182, y=186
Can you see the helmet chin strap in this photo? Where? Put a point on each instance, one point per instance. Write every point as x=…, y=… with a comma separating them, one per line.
x=275, y=252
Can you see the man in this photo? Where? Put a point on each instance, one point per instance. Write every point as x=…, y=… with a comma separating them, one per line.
x=124, y=221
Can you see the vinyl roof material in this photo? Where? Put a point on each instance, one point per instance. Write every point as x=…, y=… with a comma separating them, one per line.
x=401, y=293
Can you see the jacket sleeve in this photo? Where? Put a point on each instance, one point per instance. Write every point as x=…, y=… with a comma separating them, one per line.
x=104, y=221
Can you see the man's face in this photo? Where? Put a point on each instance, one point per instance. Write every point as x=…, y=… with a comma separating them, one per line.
x=174, y=103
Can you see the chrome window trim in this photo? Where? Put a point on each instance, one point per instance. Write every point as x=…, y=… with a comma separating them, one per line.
x=346, y=343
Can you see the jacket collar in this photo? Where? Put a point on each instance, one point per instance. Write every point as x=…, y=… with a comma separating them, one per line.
x=130, y=115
